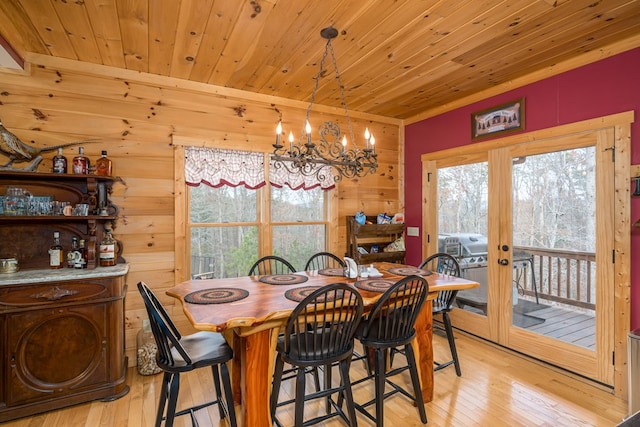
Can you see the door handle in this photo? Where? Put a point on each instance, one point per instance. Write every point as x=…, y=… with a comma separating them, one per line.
x=503, y=261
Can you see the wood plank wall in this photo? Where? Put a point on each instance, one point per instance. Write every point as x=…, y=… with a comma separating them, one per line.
x=134, y=116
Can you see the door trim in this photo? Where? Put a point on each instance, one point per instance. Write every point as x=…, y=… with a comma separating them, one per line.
x=620, y=125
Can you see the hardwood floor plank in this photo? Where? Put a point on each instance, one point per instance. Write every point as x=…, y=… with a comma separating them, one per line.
x=497, y=388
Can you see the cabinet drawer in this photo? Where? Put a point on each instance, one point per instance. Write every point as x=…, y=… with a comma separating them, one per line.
x=54, y=293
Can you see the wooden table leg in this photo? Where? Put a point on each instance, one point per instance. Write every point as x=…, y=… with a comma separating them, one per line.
x=235, y=365
x=424, y=350
x=256, y=378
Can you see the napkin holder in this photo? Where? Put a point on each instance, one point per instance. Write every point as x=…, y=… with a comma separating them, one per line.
x=351, y=270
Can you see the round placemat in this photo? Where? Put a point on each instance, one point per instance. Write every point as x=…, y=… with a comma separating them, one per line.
x=408, y=271
x=374, y=285
x=298, y=294
x=284, y=279
x=216, y=296
x=332, y=271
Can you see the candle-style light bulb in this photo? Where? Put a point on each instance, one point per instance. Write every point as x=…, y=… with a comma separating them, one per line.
x=373, y=143
x=344, y=143
x=291, y=141
x=278, y=132
x=307, y=128
x=367, y=135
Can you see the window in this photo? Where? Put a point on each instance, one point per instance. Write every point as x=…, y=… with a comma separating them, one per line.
x=223, y=229
x=235, y=216
x=298, y=224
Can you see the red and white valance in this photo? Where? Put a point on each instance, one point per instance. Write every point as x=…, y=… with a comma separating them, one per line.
x=217, y=167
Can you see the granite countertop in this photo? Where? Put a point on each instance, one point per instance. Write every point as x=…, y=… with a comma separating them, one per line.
x=56, y=275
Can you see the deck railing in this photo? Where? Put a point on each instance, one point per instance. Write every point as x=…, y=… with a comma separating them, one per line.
x=567, y=277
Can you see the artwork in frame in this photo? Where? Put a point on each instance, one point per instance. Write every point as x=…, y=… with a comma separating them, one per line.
x=507, y=117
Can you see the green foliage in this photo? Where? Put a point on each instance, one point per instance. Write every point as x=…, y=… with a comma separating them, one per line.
x=240, y=259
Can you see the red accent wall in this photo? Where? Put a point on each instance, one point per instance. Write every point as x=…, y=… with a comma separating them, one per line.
x=605, y=87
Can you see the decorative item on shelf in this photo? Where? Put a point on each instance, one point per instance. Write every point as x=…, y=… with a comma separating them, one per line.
x=81, y=163
x=107, y=250
x=383, y=218
x=59, y=162
x=18, y=152
x=82, y=249
x=16, y=201
x=56, y=254
x=74, y=256
x=9, y=265
x=104, y=165
x=636, y=181
x=313, y=159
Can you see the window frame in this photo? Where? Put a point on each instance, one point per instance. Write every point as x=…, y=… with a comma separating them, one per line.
x=263, y=218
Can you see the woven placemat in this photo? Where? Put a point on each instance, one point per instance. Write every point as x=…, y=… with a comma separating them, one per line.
x=284, y=279
x=298, y=294
x=216, y=296
x=408, y=271
x=331, y=271
x=374, y=285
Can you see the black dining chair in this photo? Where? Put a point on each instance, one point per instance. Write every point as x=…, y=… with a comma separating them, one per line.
x=446, y=264
x=391, y=324
x=319, y=333
x=271, y=264
x=322, y=260
x=183, y=353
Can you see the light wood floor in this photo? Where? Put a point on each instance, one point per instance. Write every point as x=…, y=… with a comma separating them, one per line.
x=497, y=388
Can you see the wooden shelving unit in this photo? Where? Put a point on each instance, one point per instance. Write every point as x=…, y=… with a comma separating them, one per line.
x=366, y=236
x=32, y=234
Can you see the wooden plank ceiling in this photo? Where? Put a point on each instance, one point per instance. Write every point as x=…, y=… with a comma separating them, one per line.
x=397, y=58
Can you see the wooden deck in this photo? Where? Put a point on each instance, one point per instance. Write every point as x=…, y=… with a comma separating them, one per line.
x=572, y=326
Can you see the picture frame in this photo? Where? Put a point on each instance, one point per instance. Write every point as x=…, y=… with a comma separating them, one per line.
x=507, y=117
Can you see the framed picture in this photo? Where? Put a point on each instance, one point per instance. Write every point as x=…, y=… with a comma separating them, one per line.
x=507, y=117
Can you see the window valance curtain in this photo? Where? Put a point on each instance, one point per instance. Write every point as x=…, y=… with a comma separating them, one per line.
x=217, y=167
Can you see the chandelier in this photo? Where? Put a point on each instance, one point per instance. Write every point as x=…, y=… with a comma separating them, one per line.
x=330, y=153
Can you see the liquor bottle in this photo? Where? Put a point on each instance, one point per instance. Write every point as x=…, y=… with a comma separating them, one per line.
x=55, y=252
x=107, y=250
x=82, y=261
x=59, y=162
x=81, y=163
x=74, y=254
x=104, y=165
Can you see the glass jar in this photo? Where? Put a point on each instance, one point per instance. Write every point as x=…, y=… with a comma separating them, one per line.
x=146, y=350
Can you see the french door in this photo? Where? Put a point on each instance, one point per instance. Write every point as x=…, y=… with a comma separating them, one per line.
x=533, y=223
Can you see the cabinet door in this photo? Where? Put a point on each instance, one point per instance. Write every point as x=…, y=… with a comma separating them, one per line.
x=55, y=352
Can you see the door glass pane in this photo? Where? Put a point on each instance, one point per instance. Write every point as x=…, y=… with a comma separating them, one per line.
x=554, y=226
x=219, y=251
x=462, y=227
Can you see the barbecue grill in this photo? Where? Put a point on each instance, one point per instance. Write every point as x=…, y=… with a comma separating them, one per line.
x=470, y=249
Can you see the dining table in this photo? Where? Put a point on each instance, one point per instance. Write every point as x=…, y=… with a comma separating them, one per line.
x=251, y=310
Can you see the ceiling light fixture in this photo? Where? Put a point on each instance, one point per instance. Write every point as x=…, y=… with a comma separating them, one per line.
x=310, y=158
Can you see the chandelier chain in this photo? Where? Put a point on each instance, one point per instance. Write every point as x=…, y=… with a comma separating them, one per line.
x=342, y=97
